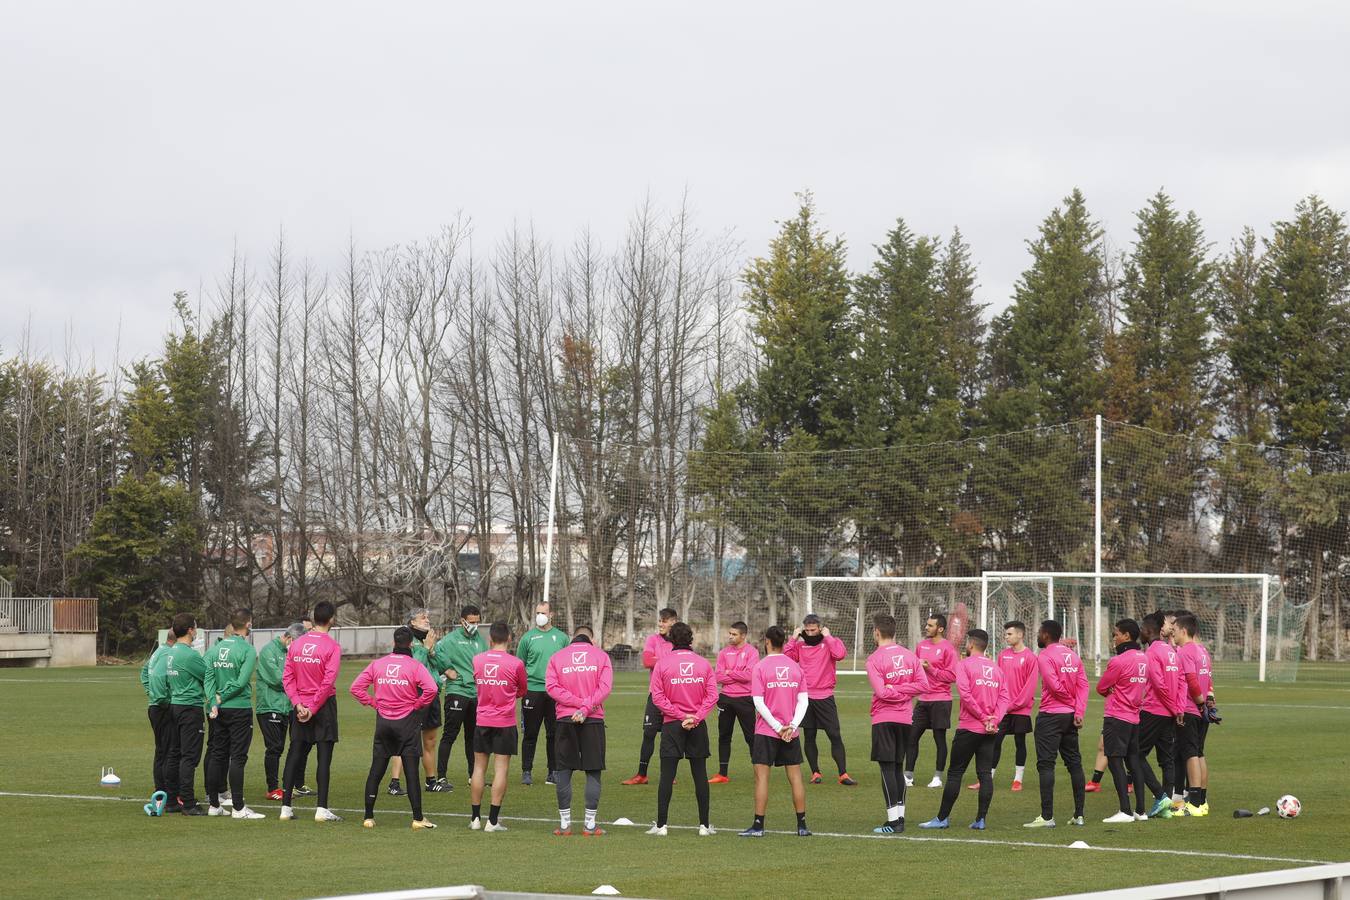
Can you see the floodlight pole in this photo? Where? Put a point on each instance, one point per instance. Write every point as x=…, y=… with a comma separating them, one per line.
x=1097, y=557
x=552, y=507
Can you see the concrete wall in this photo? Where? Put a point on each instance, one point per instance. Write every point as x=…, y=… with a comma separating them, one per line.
x=74, y=650
x=43, y=650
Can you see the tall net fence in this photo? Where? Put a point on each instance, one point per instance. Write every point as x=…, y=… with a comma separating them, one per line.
x=721, y=536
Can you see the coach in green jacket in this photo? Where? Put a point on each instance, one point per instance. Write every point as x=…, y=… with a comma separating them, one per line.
x=274, y=707
x=232, y=660
x=453, y=658
x=155, y=681
x=189, y=680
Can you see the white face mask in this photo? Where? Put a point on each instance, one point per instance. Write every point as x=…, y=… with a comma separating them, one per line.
x=471, y=627
x=541, y=619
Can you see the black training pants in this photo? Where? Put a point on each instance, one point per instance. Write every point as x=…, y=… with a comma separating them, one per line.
x=538, y=709
x=231, y=737
x=967, y=745
x=189, y=723
x=1056, y=736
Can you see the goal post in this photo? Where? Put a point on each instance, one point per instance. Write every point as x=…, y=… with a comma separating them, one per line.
x=1244, y=619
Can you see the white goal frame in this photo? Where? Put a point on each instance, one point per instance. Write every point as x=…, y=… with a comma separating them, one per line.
x=1097, y=577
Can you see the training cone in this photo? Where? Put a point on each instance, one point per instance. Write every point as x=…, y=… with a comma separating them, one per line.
x=608, y=890
x=109, y=778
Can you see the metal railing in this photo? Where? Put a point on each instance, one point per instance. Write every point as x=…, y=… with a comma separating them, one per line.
x=355, y=640
x=26, y=615
x=75, y=615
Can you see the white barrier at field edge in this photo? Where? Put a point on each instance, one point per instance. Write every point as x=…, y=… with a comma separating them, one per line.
x=1314, y=882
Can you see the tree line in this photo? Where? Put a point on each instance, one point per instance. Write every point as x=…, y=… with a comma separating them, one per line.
x=380, y=434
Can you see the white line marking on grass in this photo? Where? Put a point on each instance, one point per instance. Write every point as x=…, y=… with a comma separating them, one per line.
x=1208, y=854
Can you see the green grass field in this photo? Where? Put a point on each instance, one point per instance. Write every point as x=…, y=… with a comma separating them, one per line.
x=57, y=727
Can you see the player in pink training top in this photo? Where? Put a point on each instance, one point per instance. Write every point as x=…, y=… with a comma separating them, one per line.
x=578, y=679
x=1197, y=670
x=1064, y=696
x=403, y=689
x=934, y=709
x=1162, y=711
x=656, y=647
x=1017, y=662
x=735, y=666
x=309, y=678
x=1123, y=685
x=501, y=681
x=984, y=702
x=684, y=689
x=819, y=653
x=778, y=691
x=896, y=677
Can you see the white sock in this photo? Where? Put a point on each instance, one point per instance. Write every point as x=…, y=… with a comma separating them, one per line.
x=895, y=812
x=590, y=819
x=909, y=776
x=1019, y=772
x=937, y=775
x=992, y=772
x=565, y=818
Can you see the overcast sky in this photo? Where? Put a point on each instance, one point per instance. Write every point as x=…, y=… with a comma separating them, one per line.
x=139, y=141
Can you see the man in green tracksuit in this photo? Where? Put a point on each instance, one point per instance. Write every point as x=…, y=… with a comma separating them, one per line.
x=535, y=649
x=232, y=660
x=274, y=708
x=156, y=684
x=453, y=660
x=190, y=680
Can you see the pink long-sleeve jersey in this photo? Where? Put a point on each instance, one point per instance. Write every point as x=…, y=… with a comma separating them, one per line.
x=655, y=649
x=817, y=663
x=1064, y=684
x=941, y=657
x=309, y=676
x=1197, y=670
x=1123, y=685
x=1019, y=671
x=735, y=665
x=396, y=678
x=501, y=681
x=983, y=690
x=1166, y=695
x=896, y=678
x=780, y=682
x=579, y=677
x=683, y=684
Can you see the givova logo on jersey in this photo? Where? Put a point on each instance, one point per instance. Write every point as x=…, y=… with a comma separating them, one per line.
x=898, y=668
x=783, y=675
x=490, y=675
x=222, y=660
x=580, y=664
x=1070, y=666
x=391, y=676
x=986, y=678
x=687, y=675
x=1141, y=674
x=306, y=654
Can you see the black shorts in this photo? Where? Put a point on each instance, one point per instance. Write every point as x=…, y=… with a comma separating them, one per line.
x=431, y=716
x=889, y=740
x=822, y=714
x=501, y=741
x=321, y=727
x=580, y=745
x=1156, y=731
x=677, y=743
x=1015, y=723
x=1120, y=738
x=773, y=751
x=651, y=718
x=1191, y=738
x=933, y=714
x=398, y=737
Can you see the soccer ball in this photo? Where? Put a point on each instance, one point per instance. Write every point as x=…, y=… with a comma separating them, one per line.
x=1288, y=807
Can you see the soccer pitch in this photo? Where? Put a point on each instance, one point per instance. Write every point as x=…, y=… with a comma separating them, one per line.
x=63, y=835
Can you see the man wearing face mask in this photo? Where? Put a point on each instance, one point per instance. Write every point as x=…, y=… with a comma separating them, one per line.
x=453, y=659
x=818, y=653
x=424, y=643
x=535, y=649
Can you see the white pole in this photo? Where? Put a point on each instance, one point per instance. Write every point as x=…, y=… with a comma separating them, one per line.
x=1097, y=556
x=809, y=608
x=552, y=506
x=984, y=603
x=1265, y=619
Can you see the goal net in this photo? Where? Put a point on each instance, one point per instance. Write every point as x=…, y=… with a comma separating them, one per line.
x=1246, y=623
